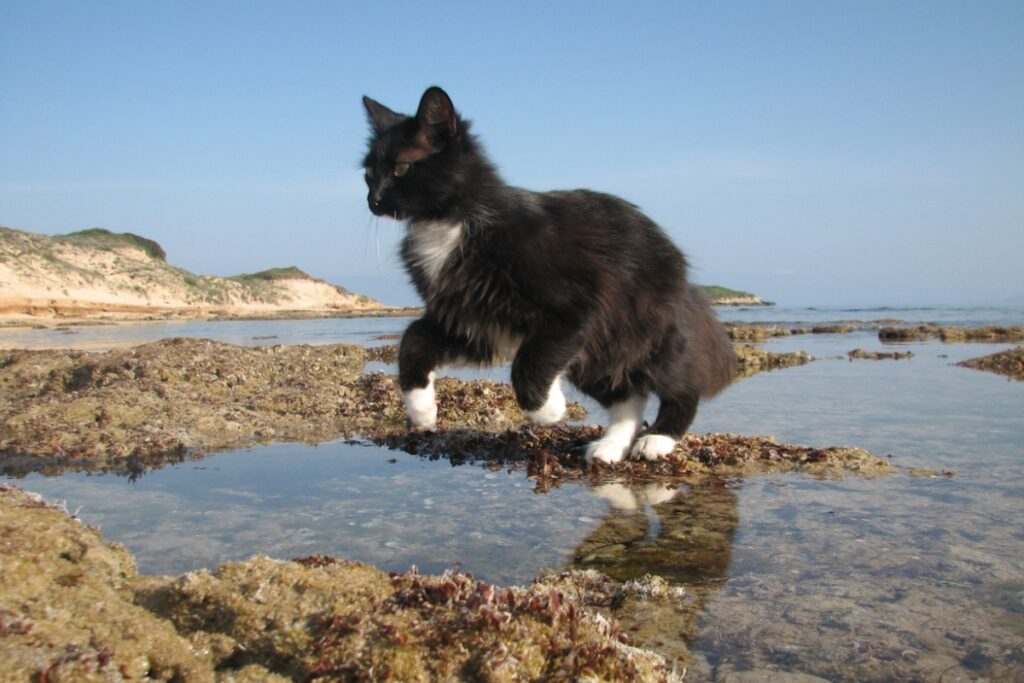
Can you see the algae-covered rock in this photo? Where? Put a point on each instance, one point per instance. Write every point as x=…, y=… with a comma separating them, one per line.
x=861, y=354
x=321, y=617
x=73, y=609
x=554, y=454
x=950, y=333
x=752, y=360
x=754, y=333
x=758, y=333
x=1009, y=363
x=131, y=409
x=66, y=611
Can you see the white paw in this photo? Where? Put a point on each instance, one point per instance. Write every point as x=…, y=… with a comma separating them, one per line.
x=553, y=409
x=653, y=446
x=606, y=450
x=620, y=497
x=420, y=406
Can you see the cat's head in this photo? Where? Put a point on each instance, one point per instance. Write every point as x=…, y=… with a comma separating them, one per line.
x=415, y=165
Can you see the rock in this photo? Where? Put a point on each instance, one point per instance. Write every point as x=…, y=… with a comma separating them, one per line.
x=72, y=608
x=878, y=355
x=952, y=333
x=752, y=360
x=1009, y=363
x=66, y=605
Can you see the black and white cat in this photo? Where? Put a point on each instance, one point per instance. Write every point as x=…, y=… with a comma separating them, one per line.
x=572, y=284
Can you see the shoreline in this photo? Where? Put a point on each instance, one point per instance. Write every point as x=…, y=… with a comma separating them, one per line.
x=52, y=314
x=100, y=315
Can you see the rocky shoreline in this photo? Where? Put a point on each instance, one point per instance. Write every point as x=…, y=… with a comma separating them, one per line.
x=72, y=607
x=134, y=408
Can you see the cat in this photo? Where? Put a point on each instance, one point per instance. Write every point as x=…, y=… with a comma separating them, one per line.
x=567, y=284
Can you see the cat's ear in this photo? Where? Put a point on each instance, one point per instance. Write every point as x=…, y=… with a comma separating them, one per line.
x=436, y=116
x=381, y=118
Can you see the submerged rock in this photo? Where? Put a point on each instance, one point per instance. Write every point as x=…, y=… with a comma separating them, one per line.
x=73, y=608
x=878, y=355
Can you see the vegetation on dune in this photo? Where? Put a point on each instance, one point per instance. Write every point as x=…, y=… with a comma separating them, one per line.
x=101, y=238
x=719, y=292
x=271, y=274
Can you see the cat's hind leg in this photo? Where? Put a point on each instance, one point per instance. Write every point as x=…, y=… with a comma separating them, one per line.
x=625, y=419
x=675, y=415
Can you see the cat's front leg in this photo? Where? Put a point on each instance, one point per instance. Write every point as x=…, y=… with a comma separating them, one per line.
x=421, y=405
x=537, y=379
x=423, y=348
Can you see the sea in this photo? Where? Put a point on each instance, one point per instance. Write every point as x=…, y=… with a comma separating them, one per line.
x=916, y=575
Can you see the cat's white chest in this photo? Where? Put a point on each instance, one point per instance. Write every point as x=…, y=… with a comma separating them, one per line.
x=431, y=243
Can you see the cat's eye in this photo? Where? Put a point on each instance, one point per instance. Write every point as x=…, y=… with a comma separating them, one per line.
x=401, y=170
x=369, y=172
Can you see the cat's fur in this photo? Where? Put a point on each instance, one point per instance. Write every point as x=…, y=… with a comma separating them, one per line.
x=573, y=284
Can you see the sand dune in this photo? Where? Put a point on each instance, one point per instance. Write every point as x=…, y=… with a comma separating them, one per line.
x=98, y=273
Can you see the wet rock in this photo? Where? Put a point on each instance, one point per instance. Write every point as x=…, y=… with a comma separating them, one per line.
x=555, y=454
x=878, y=355
x=383, y=354
x=752, y=360
x=66, y=605
x=829, y=329
x=130, y=409
x=754, y=333
x=1009, y=363
x=952, y=333
x=759, y=333
x=72, y=608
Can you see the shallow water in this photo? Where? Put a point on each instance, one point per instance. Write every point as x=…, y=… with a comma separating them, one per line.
x=368, y=331
x=907, y=577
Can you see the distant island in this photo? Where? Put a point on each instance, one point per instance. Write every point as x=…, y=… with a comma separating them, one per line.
x=98, y=273
x=723, y=296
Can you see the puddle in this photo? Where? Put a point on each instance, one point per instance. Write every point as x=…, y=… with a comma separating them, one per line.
x=363, y=503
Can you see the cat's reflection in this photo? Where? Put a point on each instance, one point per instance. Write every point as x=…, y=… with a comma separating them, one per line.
x=682, y=532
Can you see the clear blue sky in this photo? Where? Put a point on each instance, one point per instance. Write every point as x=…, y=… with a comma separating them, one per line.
x=812, y=152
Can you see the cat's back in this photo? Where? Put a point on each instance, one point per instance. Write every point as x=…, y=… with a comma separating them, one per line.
x=587, y=222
